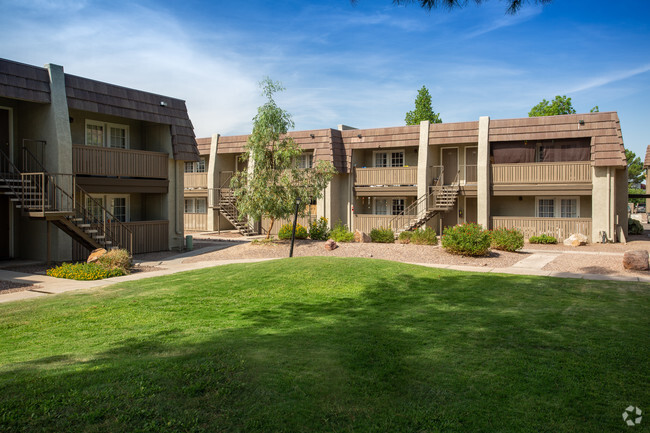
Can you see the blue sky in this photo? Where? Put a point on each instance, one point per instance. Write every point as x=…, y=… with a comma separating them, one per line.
x=360, y=65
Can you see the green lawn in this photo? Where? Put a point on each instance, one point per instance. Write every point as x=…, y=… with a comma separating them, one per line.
x=327, y=344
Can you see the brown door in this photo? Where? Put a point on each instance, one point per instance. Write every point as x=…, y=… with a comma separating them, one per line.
x=470, y=210
x=5, y=207
x=450, y=162
x=470, y=164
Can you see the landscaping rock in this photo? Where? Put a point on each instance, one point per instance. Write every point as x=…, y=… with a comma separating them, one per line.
x=576, y=240
x=331, y=245
x=361, y=237
x=636, y=260
x=95, y=255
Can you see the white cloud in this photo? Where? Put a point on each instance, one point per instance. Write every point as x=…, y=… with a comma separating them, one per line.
x=609, y=78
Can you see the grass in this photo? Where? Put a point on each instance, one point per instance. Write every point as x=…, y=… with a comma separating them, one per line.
x=327, y=344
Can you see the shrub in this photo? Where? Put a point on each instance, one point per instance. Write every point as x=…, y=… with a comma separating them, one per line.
x=634, y=227
x=84, y=271
x=467, y=239
x=319, y=231
x=405, y=237
x=340, y=233
x=382, y=236
x=507, y=239
x=427, y=236
x=542, y=239
x=116, y=259
x=285, y=231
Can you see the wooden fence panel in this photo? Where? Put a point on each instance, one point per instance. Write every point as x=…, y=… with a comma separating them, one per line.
x=560, y=228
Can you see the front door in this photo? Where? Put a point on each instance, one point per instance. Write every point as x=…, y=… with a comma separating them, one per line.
x=450, y=163
x=5, y=207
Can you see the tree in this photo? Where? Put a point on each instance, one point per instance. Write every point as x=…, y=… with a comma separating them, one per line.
x=274, y=183
x=423, y=110
x=635, y=171
x=513, y=6
x=560, y=105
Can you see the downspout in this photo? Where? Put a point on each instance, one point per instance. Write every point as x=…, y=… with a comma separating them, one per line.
x=176, y=206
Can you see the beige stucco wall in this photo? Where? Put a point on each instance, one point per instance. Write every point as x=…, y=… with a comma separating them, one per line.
x=512, y=206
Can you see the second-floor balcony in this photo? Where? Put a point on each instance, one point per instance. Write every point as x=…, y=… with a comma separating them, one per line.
x=386, y=176
x=541, y=173
x=196, y=180
x=105, y=161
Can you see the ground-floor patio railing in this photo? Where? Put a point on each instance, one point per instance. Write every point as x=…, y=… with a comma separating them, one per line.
x=560, y=228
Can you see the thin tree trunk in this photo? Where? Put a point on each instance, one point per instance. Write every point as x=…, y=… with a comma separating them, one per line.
x=268, y=233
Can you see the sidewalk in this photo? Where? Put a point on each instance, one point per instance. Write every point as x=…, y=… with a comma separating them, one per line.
x=531, y=265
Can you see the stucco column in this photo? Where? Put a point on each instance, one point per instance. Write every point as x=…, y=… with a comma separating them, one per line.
x=213, y=183
x=483, y=173
x=423, y=165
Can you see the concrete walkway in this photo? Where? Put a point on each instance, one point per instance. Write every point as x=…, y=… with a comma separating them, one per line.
x=531, y=265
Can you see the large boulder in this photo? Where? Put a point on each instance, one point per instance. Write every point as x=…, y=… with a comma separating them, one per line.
x=330, y=245
x=636, y=260
x=361, y=237
x=96, y=255
x=576, y=239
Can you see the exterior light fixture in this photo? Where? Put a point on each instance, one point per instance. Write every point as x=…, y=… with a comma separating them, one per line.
x=581, y=122
x=358, y=135
x=312, y=135
x=163, y=104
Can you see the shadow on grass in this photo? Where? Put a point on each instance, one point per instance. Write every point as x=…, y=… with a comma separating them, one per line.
x=396, y=349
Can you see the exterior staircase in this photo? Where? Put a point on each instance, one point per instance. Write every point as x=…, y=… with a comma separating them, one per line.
x=56, y=198
x=227, y=206
x=439, y=199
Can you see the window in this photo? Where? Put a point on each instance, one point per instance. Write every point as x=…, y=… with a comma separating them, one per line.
x=101, y=134
x=398, y=206
x=196, y=205
x=306, y=160
x=195, y=167
x=383, y=206
x=558, y=207
x=117, y=205
x=389, y=159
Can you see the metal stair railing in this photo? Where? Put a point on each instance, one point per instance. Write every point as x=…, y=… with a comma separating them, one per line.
x=10, y=176
x=412, y=212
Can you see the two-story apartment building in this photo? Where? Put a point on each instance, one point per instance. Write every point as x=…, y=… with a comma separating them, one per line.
x=557, y=175
x=87, y=164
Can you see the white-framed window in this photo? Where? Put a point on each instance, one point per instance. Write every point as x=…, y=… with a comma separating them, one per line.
x=195, y=166
x=388, y=206
x=306, y=160
x=103, y=134
x=196, y=205
x=389, y=159
x=117, y=204
x=557, y=207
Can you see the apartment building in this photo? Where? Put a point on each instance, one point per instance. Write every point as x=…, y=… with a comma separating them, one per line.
x=87, y=164
x=557, y=175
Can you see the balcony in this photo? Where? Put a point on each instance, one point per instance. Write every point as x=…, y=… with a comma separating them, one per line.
x=196, y=180
x=386, y=181
x=104, y=161
x=542, y=173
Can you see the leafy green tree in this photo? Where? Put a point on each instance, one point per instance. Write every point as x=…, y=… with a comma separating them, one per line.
x=559, y=105
x=635, y=171
x=271, y=188
x=423, y=110
x=595, y=110
x=513, y=6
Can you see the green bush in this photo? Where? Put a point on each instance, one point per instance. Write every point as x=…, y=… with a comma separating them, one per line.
x=319, y=231
x=340, y=233
x=542, y=239
x=634, y=227
x=116, y=259
x=467, y=239
x=382, y=236
x=285, y=231
x=405, y=237
x=507, y=239
x=84, y=271
x=427, y=236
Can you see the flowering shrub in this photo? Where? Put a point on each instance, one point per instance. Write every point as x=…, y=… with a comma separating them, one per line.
x=285, y=231
x=507, y=239
x=467, y=239
x=382, y=235
x=340, y=233
x=542, y=239
x=427, y=236
x=405, y=237
x=84, y=271
x=319, y=231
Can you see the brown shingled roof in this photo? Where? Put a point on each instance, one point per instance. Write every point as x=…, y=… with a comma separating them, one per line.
x=99, y=97
x=26, y=82
x=203, y=144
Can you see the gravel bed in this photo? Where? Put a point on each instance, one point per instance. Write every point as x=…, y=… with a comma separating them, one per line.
x=396, y=252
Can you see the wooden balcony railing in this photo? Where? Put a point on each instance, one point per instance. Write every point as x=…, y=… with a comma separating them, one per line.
x=560, y=228
x=542, y=172
x=196, y=180
x=148, y=236
x=105, y=161
x=195, y=221
x=367, y=222
x=389, y=176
